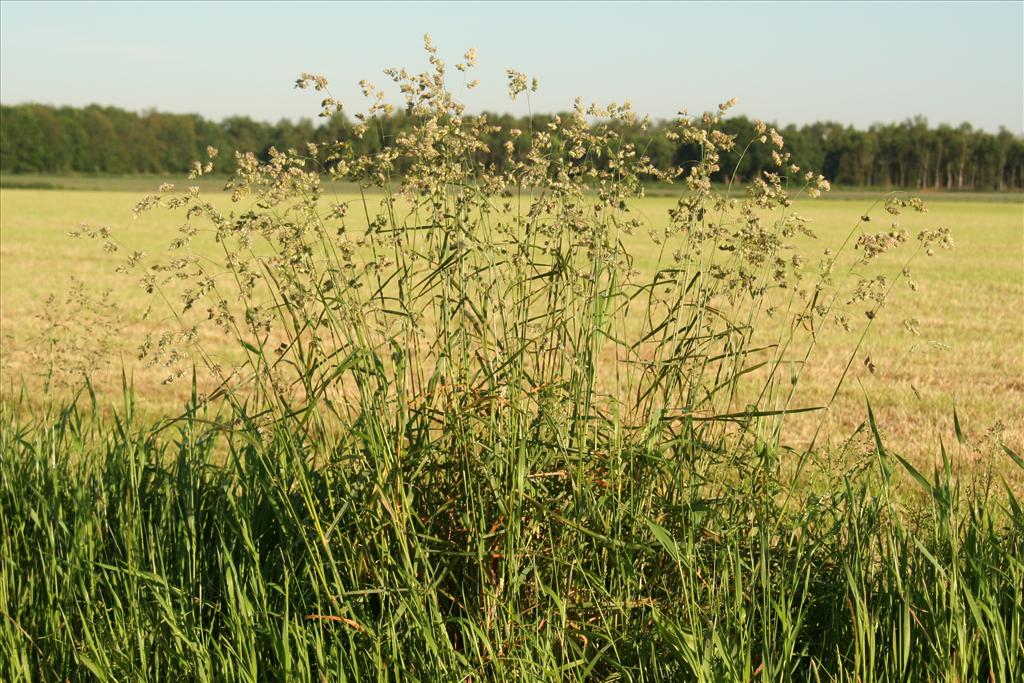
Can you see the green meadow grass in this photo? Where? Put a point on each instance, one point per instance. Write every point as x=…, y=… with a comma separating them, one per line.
x=139, y=551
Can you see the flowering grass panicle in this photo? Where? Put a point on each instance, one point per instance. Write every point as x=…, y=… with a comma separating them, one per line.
x=455, y=282
x=485, y=420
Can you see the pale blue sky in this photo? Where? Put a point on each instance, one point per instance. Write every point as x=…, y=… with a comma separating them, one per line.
x=855, y=63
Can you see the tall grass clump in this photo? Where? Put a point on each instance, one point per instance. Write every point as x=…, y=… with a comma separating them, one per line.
x=469, y=435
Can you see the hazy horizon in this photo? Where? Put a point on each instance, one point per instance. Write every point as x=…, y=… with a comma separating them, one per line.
x=794, y=63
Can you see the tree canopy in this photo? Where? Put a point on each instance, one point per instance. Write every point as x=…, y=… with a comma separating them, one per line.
x=38, y=138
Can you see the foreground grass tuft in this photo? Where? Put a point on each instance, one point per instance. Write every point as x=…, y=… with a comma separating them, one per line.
x=135, y=552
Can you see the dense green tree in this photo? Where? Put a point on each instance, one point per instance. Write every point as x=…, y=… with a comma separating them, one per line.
x=911, y=154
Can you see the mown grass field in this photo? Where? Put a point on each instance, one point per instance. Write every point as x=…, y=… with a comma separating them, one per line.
x=970, y=309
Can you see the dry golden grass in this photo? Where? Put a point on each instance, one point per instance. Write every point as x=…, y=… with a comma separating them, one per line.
x=970, y=307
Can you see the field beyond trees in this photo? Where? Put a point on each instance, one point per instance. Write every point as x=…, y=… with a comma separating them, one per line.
x=395, y=412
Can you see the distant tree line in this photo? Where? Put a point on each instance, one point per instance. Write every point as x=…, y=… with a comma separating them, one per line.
x=44, y=139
